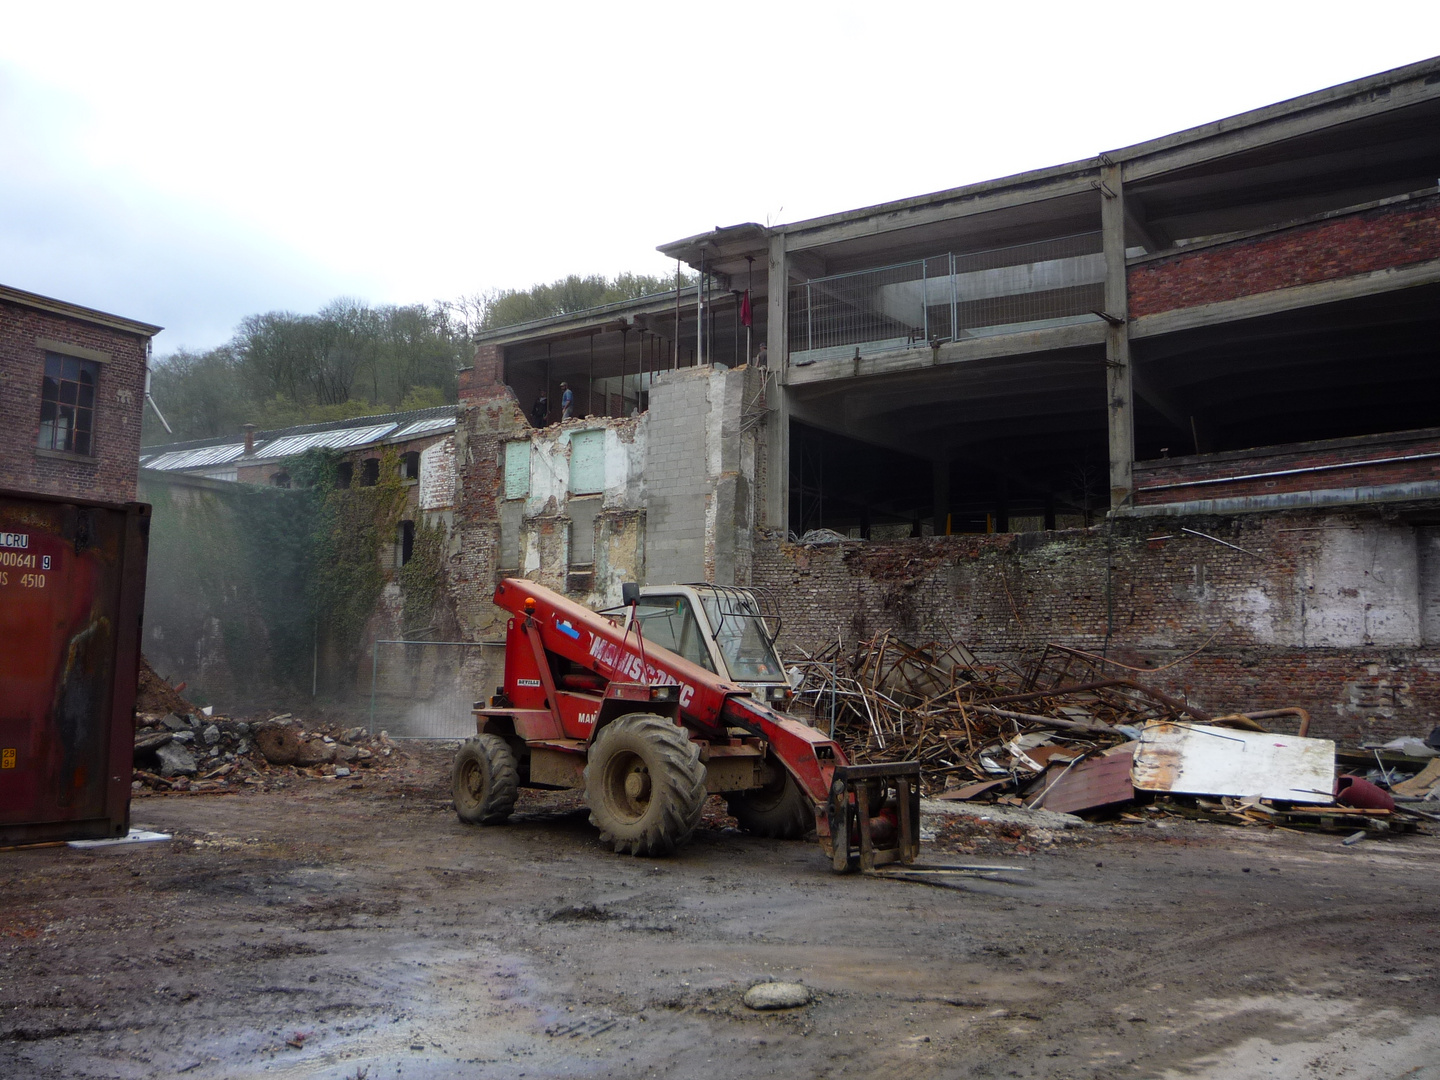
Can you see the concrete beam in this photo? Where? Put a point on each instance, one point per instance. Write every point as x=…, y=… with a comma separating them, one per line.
x=918, y=358
x=1337, y=105
x=979, y=199
x=776, y=500
x=1119, y=376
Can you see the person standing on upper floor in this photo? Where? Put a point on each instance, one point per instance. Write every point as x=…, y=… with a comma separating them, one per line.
x=540, y=411
x=567, y=401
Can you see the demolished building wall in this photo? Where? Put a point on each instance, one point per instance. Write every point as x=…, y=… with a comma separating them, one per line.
x=1333, y=612
x=584, y=505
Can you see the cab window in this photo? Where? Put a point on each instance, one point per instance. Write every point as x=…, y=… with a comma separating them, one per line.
x=669, y=621
x=739, y=632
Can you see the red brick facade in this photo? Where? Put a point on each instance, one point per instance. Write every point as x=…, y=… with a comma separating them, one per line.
x=486, y=373
x=26, y=334
x=1371, y=461
x=1394, y=235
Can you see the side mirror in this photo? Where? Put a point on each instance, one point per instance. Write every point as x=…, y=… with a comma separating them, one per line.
x=630, y=593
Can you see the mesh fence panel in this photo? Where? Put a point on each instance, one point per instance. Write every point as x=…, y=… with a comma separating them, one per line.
x=426, y=689
x=946, y=297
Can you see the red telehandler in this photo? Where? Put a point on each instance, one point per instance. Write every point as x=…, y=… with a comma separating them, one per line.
x=588, y=703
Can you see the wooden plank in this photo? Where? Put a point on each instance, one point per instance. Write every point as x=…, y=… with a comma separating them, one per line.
x=1419, y=785
x=1194, y=759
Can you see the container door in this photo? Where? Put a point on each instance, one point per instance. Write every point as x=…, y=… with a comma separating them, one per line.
x=60, y=579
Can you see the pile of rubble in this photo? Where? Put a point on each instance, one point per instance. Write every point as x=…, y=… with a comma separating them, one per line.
x=1075, y=733
x=181, y=748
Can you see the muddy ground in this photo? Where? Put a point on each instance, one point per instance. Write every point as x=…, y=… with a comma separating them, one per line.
x=344, y=930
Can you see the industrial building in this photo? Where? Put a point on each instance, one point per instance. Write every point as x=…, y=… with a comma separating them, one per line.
x=1221, y=344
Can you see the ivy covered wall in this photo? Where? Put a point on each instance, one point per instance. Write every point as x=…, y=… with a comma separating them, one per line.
x=261, y=595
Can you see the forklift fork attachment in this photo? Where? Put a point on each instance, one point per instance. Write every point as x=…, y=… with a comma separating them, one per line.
x=874, y=815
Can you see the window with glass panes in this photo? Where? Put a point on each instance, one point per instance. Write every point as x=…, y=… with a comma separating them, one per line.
x=67, y=404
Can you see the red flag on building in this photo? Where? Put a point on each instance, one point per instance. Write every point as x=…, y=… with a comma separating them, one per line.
x=745, y=317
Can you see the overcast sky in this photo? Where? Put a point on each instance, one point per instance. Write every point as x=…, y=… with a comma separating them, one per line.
x=191, y=164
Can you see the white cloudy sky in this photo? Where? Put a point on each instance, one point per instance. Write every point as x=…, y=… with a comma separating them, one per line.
x=190, y=164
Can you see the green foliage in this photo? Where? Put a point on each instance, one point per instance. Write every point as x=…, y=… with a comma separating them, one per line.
x=422, y=579
x=351, y=525
x=506, y=307
x=350, y=359
x=282, y=369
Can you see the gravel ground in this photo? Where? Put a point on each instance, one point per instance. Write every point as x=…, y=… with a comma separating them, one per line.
x=351, y=930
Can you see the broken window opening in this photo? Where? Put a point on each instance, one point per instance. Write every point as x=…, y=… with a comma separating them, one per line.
x=410, y=465
x=344, y=474
x=404, y=543
x=280, y=479
x=370, y=472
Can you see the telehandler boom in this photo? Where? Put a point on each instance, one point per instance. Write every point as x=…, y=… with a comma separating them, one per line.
x=649, y=735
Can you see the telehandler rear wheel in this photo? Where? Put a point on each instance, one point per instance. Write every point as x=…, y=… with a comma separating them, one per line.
x=645, y=784
x=484, y=780
x=778, y=811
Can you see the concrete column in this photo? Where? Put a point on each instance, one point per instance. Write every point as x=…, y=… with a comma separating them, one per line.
x=1119, y=391
x=777, y=465
x=940, y=481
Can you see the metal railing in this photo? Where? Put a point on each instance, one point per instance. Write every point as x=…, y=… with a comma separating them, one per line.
x=426, y=689
x=945, y=297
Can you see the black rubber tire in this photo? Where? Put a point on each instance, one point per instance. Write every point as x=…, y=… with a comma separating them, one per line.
x=484, y=780
x=778, y=811
x=645, y=785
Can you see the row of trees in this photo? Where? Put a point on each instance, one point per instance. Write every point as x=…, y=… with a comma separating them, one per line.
x=350, y=359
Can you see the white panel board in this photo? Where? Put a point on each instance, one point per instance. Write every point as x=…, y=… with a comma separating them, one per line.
x=517, y=469
x=1193, y=759
x=587, y=462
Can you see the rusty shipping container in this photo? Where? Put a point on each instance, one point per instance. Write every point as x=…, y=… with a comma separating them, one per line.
x=72, y=589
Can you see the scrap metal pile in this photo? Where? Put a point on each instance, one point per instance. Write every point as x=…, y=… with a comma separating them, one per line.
x=1075, y=732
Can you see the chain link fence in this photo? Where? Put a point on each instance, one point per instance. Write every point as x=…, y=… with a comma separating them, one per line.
x=427, y=689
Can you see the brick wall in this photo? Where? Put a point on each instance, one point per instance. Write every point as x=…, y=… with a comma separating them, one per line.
x=1366, y=461
x=111, y=472
x=1397, y=234
x=489, y=416
x=1327, y=612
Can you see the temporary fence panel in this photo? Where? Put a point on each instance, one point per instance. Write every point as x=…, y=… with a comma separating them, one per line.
x=427, y=689
x=947, y=297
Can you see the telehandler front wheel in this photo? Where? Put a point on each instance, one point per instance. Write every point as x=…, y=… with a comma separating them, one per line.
x=645, y=784
x=778, y=811
x=484, y=780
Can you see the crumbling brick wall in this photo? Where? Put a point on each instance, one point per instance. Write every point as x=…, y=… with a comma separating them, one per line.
x=1323, y=611
x=1396, y=234
x=111, y=472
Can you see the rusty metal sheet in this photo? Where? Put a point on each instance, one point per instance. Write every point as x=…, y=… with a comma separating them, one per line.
x=1194, y=759
x=1086, y=785
x=72, y=583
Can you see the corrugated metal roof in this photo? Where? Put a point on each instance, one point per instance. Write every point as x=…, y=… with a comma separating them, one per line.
x=420, y=427
x=335, y=440
x=178, y=460
x=287, y=442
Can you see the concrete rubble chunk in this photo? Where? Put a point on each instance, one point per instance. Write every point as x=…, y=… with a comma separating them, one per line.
x=175, y=760
x=777, y=995
x=186, y=736
x=175, y=723
x=211, y=735
x=311, y=753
